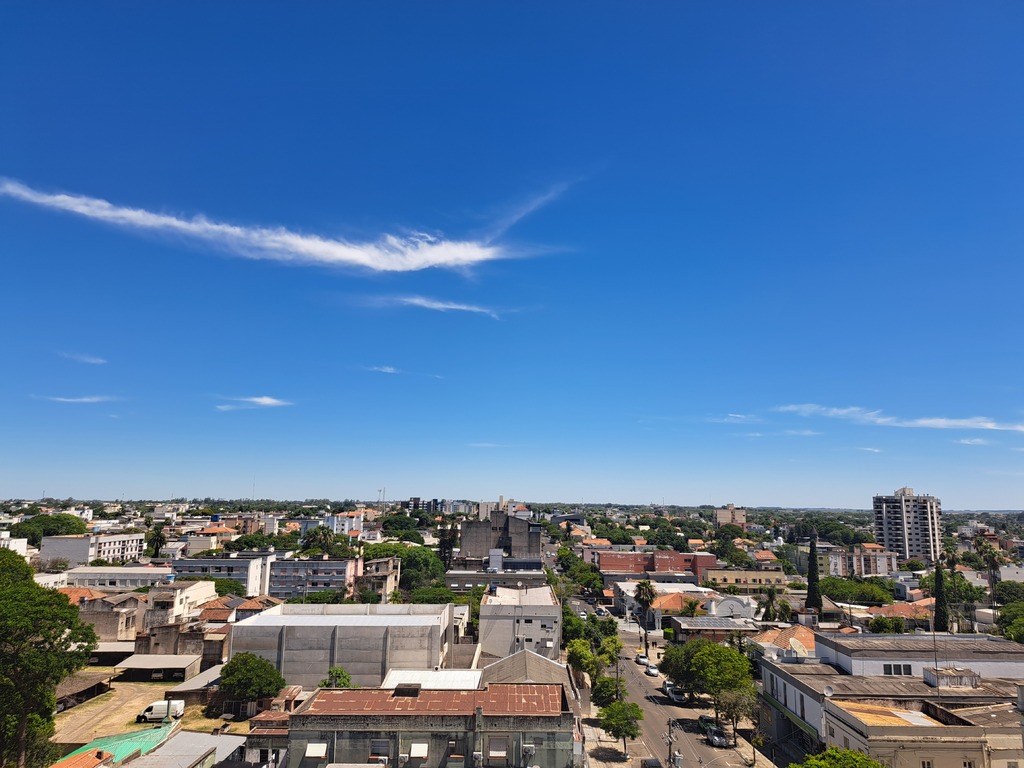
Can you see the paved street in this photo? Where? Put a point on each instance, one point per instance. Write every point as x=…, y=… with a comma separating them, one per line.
x=658, y=711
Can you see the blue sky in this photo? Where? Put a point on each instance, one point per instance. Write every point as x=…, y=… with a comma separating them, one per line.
x=699, y=253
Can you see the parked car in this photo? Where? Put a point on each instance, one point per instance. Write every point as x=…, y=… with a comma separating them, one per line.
x=583, y=615
x=676, y=696
x=651, y=670
x=717, y=738
x=641, y=658
x=706, y=723
x=650, y=762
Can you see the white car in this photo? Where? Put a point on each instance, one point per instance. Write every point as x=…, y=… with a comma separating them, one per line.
x=641, y=658
x=651, y=670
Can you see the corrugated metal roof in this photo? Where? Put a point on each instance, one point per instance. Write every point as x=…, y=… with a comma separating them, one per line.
x=158, y=661
x=122, y=745
x=537, y=700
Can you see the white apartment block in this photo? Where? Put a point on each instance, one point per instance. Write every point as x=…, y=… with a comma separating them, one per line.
x=15, y=545
x=520, y=619
x=909, y=525
x=82, y=549
x=251, y=570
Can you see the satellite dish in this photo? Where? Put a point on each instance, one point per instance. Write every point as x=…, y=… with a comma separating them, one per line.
x=828, y=691
x=798, y=648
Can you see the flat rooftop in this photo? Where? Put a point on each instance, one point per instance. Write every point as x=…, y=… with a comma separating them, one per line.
x=963, y=647
x=880, y=714
x=526, y=596
x=331, y=615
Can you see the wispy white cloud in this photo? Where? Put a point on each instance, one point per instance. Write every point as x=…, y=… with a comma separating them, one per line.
x=871, y=450
x=973, y=441
x=877, y=418
x=83, y=399
x=251, y=403
x=735, y=418
x=384, y=369
x=801, y=433
x=445, y=306
x=87, y=359
x=389, y=253
x=520, y=212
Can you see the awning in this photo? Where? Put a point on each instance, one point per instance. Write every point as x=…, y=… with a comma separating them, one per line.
x=316, y=749
x=418, y=749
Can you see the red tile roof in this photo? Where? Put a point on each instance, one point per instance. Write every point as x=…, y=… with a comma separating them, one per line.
x=75, y=594
x=542, y=700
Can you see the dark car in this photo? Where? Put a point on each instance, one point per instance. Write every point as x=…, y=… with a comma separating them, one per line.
x=706, y=723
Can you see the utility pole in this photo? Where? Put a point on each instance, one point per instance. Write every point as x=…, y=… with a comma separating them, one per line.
x=675, y=758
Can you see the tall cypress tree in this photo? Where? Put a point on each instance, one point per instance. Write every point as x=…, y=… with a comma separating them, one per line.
x=941, y=604
x=813, y=590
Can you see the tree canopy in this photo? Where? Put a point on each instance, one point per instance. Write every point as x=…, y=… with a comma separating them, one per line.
x=621, y=720
x=42, y=641
x=249, y=677
x=834, y=757
x=337, y=677
x=38, y=526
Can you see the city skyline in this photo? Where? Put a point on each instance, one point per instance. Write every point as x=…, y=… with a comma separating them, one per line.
x=760, y=255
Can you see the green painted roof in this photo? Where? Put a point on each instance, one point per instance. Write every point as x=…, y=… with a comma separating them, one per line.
x=124, y=744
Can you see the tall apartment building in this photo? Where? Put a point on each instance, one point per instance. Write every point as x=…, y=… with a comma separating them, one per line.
x=731, y=515
x=909, y=525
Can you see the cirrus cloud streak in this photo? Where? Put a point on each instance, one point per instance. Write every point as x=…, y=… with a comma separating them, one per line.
x=251, y=403
x=389, y=253
x=878, y=418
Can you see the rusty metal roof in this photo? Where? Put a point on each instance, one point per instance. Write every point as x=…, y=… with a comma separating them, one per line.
x=536, y=700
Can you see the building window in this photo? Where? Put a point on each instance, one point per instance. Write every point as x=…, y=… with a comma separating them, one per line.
x=968, y=764
x=926, y=764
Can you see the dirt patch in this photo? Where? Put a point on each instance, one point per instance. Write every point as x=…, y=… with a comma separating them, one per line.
x=107, y=714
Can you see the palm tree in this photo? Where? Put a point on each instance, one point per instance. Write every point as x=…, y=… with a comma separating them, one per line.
x=321, y=537
x=645, y=597
x=770, y=604
x=690, y=607
x=990, y=556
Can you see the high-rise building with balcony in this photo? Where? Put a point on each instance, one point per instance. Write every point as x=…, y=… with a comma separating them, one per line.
x=909, y=525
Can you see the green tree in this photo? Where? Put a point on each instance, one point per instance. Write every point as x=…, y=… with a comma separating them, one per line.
x=1009, y=592
x=769, y=603
x=157, y=540
x=580, y=658
x=718, y=669
x=645, y=597
x=621, y=720
x=223, y=586
x=677, y=663
x=42, y=641
x=432, y=595
x=881, y=625
x=447, y=541
x=913, y=565
x=941, y=601
x=608, y=690
x=38, y=526
x=337, y=677
x=320, y=537
x=738, y=703
x=834, y=757
x=250, y=677
x=813, y=589
x=1008, y=614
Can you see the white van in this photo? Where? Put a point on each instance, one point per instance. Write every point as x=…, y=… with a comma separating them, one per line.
x=158, y=710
